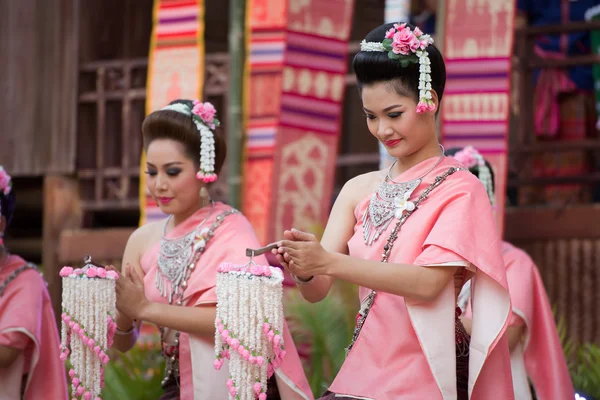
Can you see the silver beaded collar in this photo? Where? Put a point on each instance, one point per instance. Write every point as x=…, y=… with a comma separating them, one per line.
x=391, y=199
x=175, y=256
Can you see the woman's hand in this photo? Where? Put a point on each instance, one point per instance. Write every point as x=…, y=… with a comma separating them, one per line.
x=284, y=258
x=302, y=254
x=131, y=299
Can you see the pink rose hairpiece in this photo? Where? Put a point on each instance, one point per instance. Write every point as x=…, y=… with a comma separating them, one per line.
x=408, y=47
x=5, y=181
x=472, y=159
x=203, y=115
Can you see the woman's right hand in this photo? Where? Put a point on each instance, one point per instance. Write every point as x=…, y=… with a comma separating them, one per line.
x=124, y=322
x=284, y=259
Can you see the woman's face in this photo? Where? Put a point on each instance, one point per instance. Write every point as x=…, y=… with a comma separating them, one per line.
x=172, y=177
x=393, y=119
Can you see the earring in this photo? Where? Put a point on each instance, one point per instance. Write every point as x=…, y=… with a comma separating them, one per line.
x=204, y=196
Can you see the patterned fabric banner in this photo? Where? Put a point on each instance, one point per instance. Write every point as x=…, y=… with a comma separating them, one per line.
x=175, y=69
x=395, y=11
x=315, y=65
x=265, y=39
x=475, y=110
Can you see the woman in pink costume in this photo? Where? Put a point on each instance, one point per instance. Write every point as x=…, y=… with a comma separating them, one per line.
x=410, y=236
x=170, y=266
x=30, y=366
x=535, y=348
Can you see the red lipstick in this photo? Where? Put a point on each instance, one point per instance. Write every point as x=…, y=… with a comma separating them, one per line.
x=392, y=143
x=165, y=200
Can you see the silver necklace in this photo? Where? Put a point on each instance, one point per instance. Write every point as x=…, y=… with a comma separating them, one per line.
x=175, y=255
x=13, y=275
x=389, y=200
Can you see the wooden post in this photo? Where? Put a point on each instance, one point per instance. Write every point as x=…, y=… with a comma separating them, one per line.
x=235, y=124
x=62, y=210
x=440, y=25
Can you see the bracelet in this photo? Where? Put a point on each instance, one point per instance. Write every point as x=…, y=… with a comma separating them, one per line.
x=301, y=281
x=124, y=333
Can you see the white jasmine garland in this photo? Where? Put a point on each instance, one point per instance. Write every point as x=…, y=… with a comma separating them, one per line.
x=179, y=107
x=88, y=301
x=247, y=299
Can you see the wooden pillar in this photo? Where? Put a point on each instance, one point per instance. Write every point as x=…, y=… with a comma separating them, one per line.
x=235, y=99
x=440, y=24
x=62, y=210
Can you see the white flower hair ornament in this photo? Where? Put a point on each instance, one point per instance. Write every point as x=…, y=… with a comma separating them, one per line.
x=203, y=115
x=408, y=46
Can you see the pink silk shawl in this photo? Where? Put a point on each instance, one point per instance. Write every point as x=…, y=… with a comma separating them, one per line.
x=406, y=349
x=541, y=350
x=27, y=322
x=199, y=379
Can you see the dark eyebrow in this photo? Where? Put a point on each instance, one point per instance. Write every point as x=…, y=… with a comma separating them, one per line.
x=166, y=165
x=385, y=109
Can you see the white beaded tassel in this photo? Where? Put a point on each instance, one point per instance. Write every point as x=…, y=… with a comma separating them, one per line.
x=89, y=310
x=249, y=327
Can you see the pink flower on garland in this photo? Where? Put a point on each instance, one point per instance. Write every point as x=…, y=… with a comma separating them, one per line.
x=206, y=111
x=5, y=181
x=469, y=157
x=402, y=42
x=425, y=105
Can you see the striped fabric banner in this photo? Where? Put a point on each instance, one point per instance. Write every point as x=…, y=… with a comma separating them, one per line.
x=265, y=42
x=175, y=69
x=315, y=65
x=475, y=110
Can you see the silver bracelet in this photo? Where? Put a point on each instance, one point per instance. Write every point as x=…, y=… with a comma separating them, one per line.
x=124, y=333
x=301, y=281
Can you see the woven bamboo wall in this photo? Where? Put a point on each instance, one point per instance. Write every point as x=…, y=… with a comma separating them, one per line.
x=565, y=246
x=571, y=273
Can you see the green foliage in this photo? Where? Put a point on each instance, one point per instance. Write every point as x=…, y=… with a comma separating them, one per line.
x=324, y=329
x=135, y=375
x=583, y=362
x=586, y=370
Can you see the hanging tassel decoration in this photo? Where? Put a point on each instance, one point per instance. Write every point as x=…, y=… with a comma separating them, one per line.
x=249, y=327
x=88, y=326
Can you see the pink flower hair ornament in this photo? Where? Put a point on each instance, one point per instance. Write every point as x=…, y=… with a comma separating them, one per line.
x=408, y=47
x=470, y=157
x=5, y=181
x=474, y=161
x=203, y=116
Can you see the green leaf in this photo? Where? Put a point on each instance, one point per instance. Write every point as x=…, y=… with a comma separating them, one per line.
x=394, y=56
x=405, y=62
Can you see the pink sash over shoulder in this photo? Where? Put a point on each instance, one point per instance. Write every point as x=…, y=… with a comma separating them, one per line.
x=199, y=379
x=27, y=322
x=406, y=349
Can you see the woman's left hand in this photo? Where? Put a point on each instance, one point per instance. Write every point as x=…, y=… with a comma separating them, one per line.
x=131, y=299
x=307, y=257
